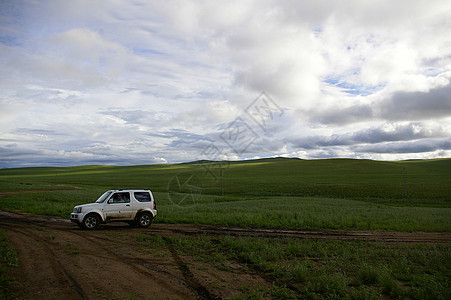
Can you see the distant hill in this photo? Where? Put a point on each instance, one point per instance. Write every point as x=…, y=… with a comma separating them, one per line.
x=246, y=161
x=279, y=176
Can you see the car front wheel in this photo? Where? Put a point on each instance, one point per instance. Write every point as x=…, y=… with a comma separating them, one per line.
x=145, y=219
x=91, y=222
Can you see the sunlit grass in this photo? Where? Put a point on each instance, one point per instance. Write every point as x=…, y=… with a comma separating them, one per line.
x=321, y=194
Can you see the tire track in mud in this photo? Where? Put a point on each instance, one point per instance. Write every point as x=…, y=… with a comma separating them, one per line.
x=151, y=270
x=55, y=264
x=142, y=265
x=147, y=268
x=190, y=229
x=190, y=279
x=339, y=235
x=188, y=275
x=139, y=264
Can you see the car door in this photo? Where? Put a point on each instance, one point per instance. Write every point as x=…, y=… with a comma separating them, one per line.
x=118, y=206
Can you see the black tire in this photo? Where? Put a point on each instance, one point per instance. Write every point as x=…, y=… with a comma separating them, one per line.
x=144, y=219
x=91, y=222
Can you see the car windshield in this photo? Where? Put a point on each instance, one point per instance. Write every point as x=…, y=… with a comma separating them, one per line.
x=103, y=197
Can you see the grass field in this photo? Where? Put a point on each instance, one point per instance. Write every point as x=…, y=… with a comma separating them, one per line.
x=281, y=193
x=317, y=194
x=318, y=269
x=423, y=179
x=8, y=259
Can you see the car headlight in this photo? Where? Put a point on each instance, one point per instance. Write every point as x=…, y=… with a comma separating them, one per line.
x=77, y=210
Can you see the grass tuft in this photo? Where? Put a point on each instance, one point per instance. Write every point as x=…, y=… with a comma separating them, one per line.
x=8, y=259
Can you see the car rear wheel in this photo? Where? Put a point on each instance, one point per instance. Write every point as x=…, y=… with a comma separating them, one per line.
x=144, y=219
x=91, y=222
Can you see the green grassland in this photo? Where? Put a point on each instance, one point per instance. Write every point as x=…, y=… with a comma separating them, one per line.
x=282, y=193
x=8, y=259
x=279, y=192
x=318, y=269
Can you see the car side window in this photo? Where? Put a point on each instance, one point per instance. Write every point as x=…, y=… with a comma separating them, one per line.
x=120, y=198
x=142, y=196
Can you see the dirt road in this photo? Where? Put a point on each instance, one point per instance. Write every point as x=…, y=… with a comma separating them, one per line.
x=60, y=261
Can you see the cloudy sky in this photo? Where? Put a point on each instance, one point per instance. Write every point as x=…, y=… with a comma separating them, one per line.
x=143, y=82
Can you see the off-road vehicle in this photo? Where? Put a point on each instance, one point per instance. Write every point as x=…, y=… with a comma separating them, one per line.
x=136, y=207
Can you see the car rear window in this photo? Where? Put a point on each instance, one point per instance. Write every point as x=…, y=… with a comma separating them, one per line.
x=143, y=196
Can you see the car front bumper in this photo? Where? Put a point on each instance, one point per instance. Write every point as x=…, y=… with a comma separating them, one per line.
x=75, y=218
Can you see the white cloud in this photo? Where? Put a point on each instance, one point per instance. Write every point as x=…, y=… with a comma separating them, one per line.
x=389, y=64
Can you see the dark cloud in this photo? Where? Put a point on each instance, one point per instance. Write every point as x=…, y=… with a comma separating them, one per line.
x=10, y=150
x=347, y=115
x=398, y=132
x=265, y=145
x=187, y=140
x=417, y=105
x=399, y=106
x=13, y=155
x=31, y=131
x=427, y=145
x=386, y=133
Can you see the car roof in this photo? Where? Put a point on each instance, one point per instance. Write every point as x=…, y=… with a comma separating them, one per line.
x=130, y=190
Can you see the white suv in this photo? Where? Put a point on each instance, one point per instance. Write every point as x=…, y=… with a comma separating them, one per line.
x=136, y=207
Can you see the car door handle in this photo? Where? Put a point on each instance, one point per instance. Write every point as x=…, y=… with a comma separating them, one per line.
x=127, y=205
